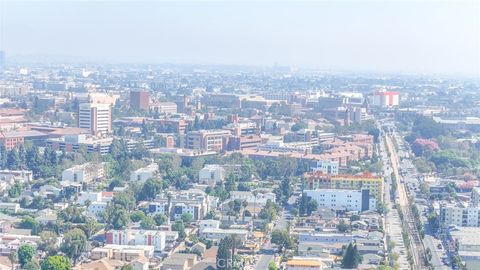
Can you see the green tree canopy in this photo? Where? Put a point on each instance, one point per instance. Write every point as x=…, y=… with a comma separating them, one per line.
x=25, y=254
x=179, y=227
x=270, y=211
x=74, y=243
x=15, y=190
x=351, y=257
x=187, y=217
x=427, y=127
x=48, y=242
x=225, y=254
x=298, y=126
x=127, y=267
x=160, y=219
x=56, y=263
x=150, y=189
x=147, y=223
x=32, y=265
x=342, y=227
x=137, y=216
x=31, y=224
x=307, y=205
x=282, y=238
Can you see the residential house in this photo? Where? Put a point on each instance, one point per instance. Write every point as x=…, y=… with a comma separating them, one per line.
x=141, y=263
x=179, y=261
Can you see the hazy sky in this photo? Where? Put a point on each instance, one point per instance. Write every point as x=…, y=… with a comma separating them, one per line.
x=403, y=36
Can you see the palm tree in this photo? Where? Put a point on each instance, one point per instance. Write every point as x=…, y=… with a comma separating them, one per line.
x=88, y=203
x=13, y=258
x=231, y=205
x=244, y=205
x=255, y=193
x=169, y=197
x=90, y=226
x=235, y=242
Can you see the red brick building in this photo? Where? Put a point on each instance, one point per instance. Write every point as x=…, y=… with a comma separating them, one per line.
x=140, y=100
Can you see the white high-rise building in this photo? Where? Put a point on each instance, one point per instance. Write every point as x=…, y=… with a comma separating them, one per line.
x=385, y=98
x=95, y=117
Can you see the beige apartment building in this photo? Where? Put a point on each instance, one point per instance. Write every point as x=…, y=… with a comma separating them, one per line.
x=206, y=140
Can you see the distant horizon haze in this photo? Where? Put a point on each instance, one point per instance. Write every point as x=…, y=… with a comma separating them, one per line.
x=409, y=37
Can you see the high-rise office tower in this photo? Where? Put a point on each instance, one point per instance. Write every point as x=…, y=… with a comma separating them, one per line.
x=95, y=117
x=140, y=99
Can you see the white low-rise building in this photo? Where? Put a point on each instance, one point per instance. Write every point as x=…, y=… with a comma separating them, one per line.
x=144, y=173
x=137, y=237
x=96, y=202
x=327, y=166
x=49, y=190
x=122, y=252
x=279, y=146
x=164, y=107
x=460, y=216
x=260, y=198
x=216, y=234
x=468, y=240
x=46, y=216
x=326, y=237
x=89, y=196
x=11, y=242
x=13, y=176
x=171, y=236
x=208, y=223
x=151, y=238
x=9, y=177
x=84, y=173
x=343, y=200
x=211, y=174
x=10, y=207
x=193, y=201
x=97, y=208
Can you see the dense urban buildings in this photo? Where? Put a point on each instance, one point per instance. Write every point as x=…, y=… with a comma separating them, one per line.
x=133, y=164
x=151, y=165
